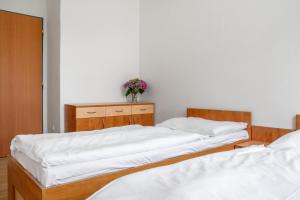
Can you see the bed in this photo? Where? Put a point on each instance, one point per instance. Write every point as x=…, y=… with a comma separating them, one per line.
x=22, y=183
x=255, y=172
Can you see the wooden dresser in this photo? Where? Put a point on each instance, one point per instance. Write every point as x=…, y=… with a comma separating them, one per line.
x=85, y=117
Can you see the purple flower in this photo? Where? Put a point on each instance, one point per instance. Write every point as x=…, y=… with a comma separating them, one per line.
x=126, y=85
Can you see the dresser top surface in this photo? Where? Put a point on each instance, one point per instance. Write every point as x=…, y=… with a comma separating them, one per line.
x=108, y=104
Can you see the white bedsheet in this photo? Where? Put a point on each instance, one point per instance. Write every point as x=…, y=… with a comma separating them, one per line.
x=254, y=173
x=62, y=149
x=54, y=175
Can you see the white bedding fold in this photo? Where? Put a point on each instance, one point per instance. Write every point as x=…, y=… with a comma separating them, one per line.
x=60, y=149
x=253, y=173
x=54, y=175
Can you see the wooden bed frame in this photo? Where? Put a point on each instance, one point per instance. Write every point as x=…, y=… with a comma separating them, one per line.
x=298, y=122
x=268, y=134
x=22, y=185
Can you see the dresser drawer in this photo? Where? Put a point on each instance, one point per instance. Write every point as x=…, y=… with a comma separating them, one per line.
x=90, y=112
x=142, y=109
x=118, y=110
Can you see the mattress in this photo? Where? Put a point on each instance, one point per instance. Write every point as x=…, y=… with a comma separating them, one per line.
x=62, y=174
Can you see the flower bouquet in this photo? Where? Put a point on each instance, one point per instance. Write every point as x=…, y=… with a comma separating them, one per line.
x=135, y=87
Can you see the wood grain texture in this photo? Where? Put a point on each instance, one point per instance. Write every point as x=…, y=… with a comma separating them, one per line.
x=84, y=188
x=3, y=179
x=99, y=116
x=250, y=143
x=268, y=134
x=142, y=109
x=21, y=180
x=298, y=122
x=18, y=196
x=20, y=77
x=117, y=121
x=70, y=118
x=89, y=112
x=117, y=111
x=143, y=119
x=90, y=124
x=222, y=115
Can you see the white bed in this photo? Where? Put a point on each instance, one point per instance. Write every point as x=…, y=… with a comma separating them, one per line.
x=62, y=158
x=253, y=173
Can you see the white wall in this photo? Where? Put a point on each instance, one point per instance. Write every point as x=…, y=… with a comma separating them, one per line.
x=99, y=49
x=240, y=55
x=53, y=21
x=35, y=8
x=28, y=7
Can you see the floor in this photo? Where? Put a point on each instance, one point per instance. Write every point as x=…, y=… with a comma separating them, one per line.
x=3, y=179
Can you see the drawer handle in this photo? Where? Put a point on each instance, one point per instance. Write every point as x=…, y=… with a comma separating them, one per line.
x=143, y=109
x=119, y=111
x=91, y=113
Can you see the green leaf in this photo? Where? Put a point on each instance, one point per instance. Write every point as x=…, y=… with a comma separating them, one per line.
x=141, y=91
x=128, y=92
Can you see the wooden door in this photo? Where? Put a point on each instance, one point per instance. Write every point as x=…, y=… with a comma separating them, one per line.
x=21, y=57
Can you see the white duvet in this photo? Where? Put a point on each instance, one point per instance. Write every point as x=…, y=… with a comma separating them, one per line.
x=254, y=173
x=61, y=149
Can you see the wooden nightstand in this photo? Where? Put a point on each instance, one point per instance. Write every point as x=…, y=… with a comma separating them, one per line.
x=249, y=143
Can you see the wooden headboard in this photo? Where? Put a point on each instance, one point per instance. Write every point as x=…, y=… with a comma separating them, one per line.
x=298, y=122
x=268, y=134
x=222, y=115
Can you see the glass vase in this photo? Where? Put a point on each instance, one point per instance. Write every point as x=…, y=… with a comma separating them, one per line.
x=134, y=98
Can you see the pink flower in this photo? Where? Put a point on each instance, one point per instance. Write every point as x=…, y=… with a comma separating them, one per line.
x=143, y=85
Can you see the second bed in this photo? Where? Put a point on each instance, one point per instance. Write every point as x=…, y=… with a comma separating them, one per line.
x=70, y=169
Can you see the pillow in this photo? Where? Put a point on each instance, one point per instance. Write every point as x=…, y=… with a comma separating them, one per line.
x=203, y=126
x=291, y=140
